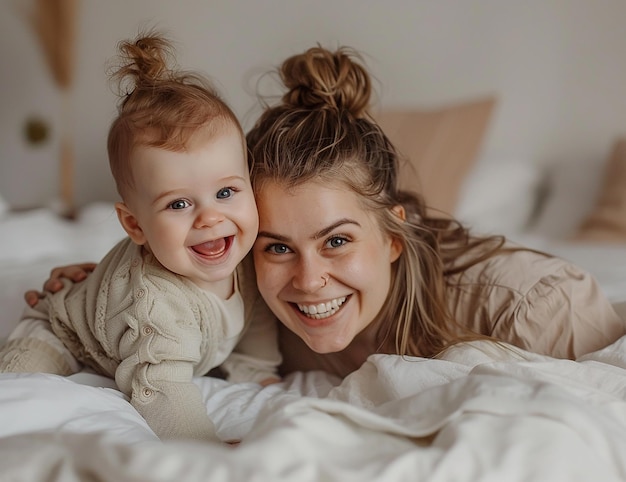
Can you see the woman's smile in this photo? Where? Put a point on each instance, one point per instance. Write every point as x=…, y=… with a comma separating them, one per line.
x=320, y=321
x=322, y=310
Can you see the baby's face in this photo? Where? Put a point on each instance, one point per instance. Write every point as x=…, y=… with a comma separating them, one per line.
x=195, y=209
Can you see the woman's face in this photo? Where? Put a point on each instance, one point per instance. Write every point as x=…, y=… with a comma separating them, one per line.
x=315, y=232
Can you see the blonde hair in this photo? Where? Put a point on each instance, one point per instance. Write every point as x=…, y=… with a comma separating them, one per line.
x=159, y=106
x=321, y=130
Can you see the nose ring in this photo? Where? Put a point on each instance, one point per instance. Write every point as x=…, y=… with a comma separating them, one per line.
x=325, y=280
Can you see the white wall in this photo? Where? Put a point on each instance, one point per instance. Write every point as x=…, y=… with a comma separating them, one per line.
x=557, y=66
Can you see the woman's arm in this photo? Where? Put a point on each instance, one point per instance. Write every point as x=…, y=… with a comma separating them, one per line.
x=74, y=272
x=540, y=303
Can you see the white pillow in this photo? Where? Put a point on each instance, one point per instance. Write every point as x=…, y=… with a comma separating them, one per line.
x=499, y=195
x=41, y=233
x=33, y=242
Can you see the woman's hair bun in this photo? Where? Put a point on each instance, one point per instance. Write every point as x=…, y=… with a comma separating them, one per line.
x=321, y=79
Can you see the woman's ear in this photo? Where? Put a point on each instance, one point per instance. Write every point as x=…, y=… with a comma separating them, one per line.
x=130, y=224
x=396, y=249
x=399, y=211
x=396, y=244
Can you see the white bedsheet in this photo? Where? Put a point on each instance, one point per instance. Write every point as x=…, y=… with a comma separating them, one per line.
x=481, y=413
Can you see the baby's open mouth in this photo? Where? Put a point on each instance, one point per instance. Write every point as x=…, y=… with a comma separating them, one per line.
x=214, y=248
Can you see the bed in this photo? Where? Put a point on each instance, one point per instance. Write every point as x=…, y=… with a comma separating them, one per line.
x=479, y=413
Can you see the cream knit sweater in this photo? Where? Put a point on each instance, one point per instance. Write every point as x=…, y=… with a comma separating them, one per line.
x=152, y=331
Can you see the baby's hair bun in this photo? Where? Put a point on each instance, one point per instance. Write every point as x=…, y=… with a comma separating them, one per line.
x=144, y=62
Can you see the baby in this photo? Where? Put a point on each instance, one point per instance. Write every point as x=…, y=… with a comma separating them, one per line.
x=176, y=298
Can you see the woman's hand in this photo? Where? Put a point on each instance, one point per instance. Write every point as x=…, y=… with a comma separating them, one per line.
x=74, y=272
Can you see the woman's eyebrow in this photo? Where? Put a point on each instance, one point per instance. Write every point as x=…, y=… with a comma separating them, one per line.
x=320, y=234
x=326, y=231
x=267, y=234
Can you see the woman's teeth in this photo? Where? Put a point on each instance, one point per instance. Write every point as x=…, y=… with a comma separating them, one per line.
x=322, y=310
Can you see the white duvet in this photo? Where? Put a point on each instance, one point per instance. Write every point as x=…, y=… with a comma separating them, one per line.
x=483, y=412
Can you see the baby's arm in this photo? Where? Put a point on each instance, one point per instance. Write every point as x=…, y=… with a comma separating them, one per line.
x=171, y=403
x=163, y=334
x=160, y=351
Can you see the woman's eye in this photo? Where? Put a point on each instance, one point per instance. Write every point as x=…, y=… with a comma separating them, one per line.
x=225, y=193
x=337, y=242
x=277, y=249
x=179, y=204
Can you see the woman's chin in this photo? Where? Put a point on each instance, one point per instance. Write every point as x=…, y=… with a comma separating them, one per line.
x=325, y=346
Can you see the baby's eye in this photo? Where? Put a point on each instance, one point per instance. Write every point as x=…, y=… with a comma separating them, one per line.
x=277, y=249
x=179, y=204
x=337, y=241
x=225, y=193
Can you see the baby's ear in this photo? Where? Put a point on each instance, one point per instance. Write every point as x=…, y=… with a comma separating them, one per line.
x=130, y=224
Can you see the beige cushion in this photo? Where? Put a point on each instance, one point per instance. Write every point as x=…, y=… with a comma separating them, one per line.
x=607, y=220
x=440, y=145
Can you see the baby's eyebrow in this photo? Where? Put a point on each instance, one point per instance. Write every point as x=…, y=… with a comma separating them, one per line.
x=165, y=194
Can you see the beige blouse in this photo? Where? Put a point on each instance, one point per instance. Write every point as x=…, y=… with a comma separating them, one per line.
x=542, y=304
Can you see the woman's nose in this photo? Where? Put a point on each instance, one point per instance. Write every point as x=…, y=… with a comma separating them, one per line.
x=208, y=217
x=309, y=276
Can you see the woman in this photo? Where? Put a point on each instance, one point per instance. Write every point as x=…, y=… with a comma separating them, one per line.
x=353, y=266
